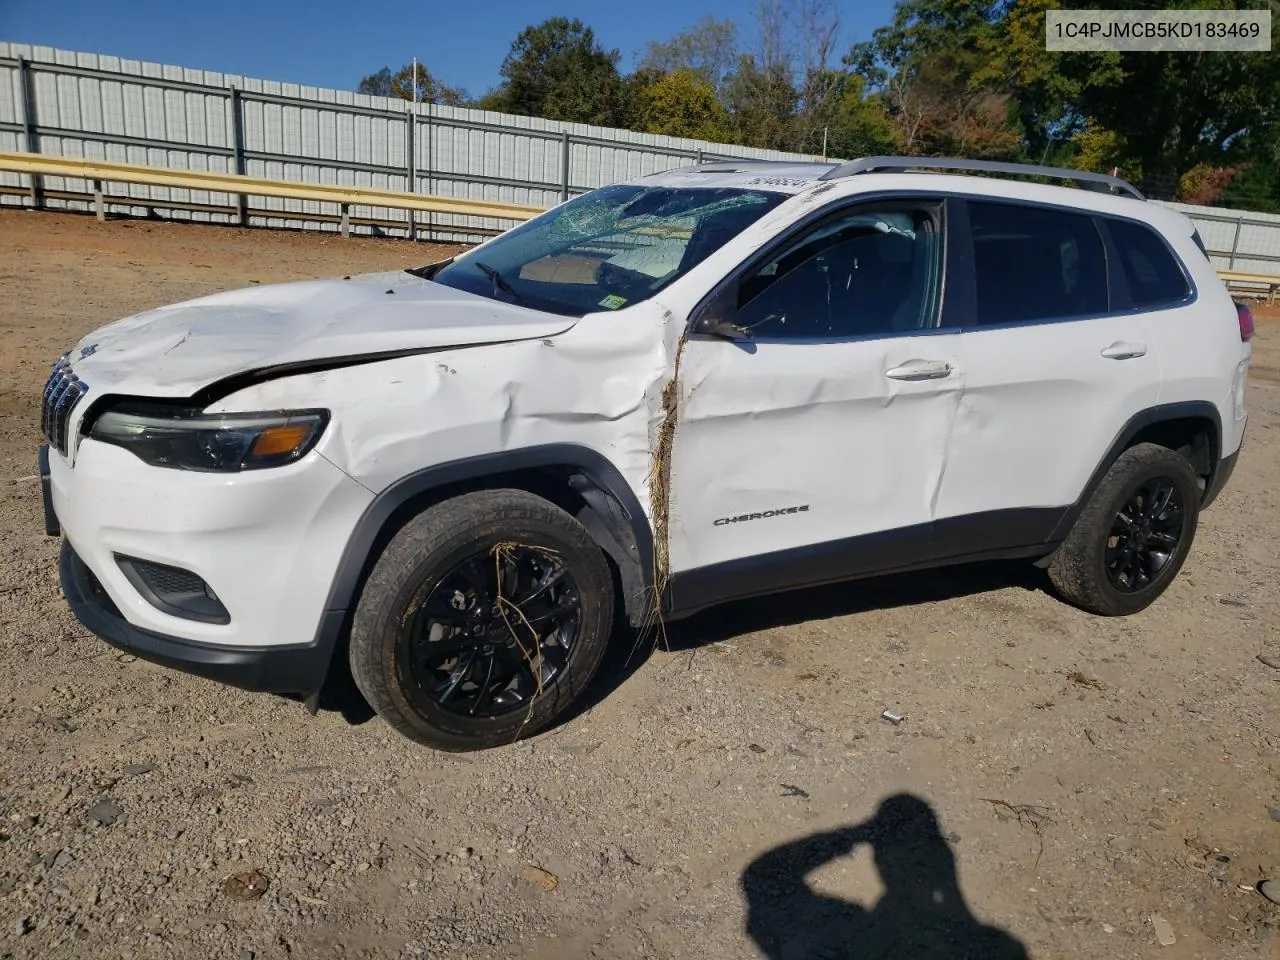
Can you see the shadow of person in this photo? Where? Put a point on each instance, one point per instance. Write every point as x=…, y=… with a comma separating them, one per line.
x=921, y=916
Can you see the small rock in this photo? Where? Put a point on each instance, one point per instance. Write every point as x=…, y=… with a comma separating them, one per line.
x=1108, y=928
x=755, y=748
x=63, y=858
x=246, y=886
x=953, y=837
x=1124, y=866
x=1272, y=662
x=173, y=834
x=1122, y=844
x=1164, y=930
x=105, y=812
x=137, y=769
x=1274, y=813
x=23, y=926
x=1270, y=889
x=544, y=879
x=246, y=955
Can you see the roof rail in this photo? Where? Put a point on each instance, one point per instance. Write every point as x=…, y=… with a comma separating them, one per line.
x=1097, y=182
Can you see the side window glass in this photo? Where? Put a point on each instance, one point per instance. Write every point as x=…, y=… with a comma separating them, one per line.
x=1152, y=273
x=1032, y=263
x=862, y=274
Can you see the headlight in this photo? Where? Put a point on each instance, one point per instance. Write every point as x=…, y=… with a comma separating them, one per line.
x=186, y=439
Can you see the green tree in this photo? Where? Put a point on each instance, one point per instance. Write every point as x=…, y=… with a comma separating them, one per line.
x=762, y=104
x=1102, y=151
x=1176, y=110
x=682, y=103
x=384, y=83
x=931, y=63
x=858, y=124
x=710, y=48
x=1256, y=186
x=557, y=70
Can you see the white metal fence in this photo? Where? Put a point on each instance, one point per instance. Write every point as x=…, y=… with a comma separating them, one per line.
x=102, y=107
x=96, y=106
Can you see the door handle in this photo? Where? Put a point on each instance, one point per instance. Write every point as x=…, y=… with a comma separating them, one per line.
x=1125, y=351
x=920, y=370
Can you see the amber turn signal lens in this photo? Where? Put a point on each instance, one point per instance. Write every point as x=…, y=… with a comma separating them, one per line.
x=274, y=441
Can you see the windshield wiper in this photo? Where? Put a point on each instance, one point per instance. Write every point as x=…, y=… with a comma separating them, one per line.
x=499, y=281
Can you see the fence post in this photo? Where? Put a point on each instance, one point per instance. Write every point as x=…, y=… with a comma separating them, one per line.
x=564, y=165
x=99, y=206
x=237, y=133
x=1235, y=245
x=699, y=157
x=411, y=164
x=346, y=219
x=28, y=92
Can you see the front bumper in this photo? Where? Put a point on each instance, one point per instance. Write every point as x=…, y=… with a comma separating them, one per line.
x=267, y=543
x=288, y=670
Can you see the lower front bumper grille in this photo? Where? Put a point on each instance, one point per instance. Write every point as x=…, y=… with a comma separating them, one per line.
x=173, y=590
x=62, y=391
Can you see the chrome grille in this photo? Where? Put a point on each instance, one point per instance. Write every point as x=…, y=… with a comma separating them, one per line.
x=61, y=394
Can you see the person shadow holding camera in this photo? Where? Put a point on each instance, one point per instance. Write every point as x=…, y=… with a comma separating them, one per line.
x=921, y=916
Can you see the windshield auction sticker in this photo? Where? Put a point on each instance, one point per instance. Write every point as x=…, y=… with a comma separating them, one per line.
x=1158, y=31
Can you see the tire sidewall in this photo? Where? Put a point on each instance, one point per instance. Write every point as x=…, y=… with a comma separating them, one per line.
x=1170, y=466
x=402, y=580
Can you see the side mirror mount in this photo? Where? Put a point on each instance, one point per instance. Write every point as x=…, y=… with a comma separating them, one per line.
x=715, y=318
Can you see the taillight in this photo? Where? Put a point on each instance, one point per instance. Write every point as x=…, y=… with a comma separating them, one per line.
x=1245, y=316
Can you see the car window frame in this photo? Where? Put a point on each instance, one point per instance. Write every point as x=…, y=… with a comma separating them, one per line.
x=963, y=282
x=721, y=299
x=1108, y=269
x=1122, y=276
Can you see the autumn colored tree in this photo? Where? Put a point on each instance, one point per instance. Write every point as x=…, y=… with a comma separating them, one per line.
x=682, y=103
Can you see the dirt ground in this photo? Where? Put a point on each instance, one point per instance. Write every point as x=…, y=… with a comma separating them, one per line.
x=1059, y=779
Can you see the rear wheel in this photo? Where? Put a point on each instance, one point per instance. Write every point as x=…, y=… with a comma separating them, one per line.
x=1133, y=535
x=482, y=621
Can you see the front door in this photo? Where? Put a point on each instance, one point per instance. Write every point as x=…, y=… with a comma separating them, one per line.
x=816, y=443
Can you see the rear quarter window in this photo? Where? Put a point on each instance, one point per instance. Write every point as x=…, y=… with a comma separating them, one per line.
x=1151, y=270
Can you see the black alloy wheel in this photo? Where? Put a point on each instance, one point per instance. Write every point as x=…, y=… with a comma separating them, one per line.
x=493, y=632
x=482, y=621
x=1145, y=535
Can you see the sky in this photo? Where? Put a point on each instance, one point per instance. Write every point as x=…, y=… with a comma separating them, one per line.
x=330, y=43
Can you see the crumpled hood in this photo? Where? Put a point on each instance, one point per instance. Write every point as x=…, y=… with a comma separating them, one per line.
x=179, y=349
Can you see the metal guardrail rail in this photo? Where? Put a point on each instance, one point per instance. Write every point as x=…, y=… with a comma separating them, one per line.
x=237, y=185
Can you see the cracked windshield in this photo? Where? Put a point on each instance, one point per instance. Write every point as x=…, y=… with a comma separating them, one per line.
x=608, y=249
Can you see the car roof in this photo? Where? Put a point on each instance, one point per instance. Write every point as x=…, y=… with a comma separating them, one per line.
x=1108, y=195
x=782, y=176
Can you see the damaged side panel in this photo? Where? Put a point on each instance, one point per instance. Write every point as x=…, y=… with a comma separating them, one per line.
x=599, y=385
x=771, y=426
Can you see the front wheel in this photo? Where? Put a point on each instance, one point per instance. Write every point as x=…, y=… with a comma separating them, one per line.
x=1133, y=535
x=483, y=620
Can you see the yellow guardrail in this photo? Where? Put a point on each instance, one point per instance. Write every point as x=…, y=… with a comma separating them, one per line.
x=101, y=171
x=1246, y=283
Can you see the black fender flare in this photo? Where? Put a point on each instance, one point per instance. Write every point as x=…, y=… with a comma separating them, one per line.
x=613, y=516
x=1152, y=416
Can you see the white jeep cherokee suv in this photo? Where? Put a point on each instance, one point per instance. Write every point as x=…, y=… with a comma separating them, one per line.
x=708, y=383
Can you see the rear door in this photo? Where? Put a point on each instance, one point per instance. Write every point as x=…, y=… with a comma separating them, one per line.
x=1055, y=363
